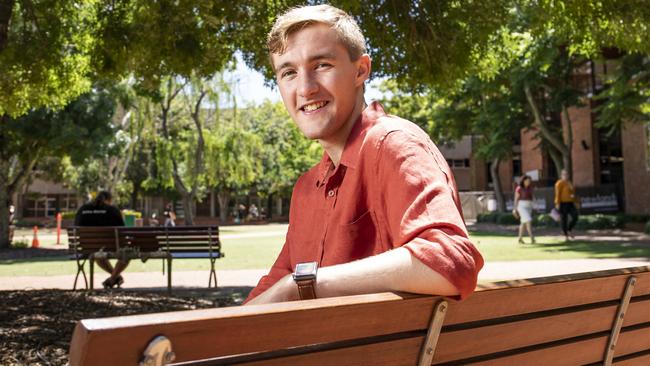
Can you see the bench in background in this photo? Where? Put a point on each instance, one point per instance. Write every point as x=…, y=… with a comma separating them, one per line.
x=596, y=318
x=168, y=243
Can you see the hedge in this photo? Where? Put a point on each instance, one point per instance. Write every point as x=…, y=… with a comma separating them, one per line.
x=585, y=222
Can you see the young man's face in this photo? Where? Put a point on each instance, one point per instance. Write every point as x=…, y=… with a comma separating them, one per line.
x=318, y=82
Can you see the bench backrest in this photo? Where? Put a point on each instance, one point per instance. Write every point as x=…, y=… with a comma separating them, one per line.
x=180, y=239
x=563, y=320
x=88, y=240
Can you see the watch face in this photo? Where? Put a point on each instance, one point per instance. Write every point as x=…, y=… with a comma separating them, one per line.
x=306, y=271
x=305, y=268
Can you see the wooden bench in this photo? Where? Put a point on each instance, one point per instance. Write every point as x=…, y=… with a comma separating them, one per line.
x=597, y=318
x=168, y=243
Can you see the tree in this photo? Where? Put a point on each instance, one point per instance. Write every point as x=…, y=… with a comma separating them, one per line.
x=44, y=54
x=286, y=154
x=76, y=131
x=234, y=164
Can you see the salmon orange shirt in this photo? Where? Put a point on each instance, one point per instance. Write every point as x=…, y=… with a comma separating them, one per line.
x=392, y=188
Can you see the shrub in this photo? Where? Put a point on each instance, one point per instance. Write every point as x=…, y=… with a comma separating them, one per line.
x=68, y=215
x=29, y=223
x=487, y=217
x=138, y=215
x=647, y=227
x=20, y=244
x=600, y=222
x=544, y=220
x=507, y=219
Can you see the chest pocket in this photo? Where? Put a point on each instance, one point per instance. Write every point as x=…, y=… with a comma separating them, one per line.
x=359, y=238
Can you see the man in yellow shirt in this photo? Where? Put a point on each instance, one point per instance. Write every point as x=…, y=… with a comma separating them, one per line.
x=565, y=202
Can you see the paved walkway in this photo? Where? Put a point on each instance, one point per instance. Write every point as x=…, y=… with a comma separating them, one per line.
x=492, y=271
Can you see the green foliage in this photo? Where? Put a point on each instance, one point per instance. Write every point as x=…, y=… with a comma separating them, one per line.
x=77, y=130
x=599, y=222
x=233, y=158
x=44, y=60
x=286, y=153
x=647, y=227
x=20, y=244
x=544, y=220
x=626, y=97
x=589, y=25
x=490, y=217
x=68, y=215
x=507, y=218
x=137, y=214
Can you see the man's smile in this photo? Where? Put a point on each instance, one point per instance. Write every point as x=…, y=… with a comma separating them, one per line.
x=313, y=106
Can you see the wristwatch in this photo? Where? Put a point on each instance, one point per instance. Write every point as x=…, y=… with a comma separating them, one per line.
x=305, y=277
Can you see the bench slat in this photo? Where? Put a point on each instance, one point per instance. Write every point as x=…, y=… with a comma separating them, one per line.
x=640, y=359
x=403, y=352
x=486, y=304
x=523, y=333
x=577, y=353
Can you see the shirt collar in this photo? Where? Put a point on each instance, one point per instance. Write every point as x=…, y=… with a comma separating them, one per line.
x=368, y=118
x=350, y=155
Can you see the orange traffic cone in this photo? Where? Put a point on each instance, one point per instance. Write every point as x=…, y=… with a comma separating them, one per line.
x=35, y=242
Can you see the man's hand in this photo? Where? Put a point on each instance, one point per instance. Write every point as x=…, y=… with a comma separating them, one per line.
x=283, y=290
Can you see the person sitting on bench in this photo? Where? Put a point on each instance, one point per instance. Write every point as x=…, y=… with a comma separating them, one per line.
x=381, y=211
x=100, y=212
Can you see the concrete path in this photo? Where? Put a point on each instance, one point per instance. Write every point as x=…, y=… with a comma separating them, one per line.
x=493, y=271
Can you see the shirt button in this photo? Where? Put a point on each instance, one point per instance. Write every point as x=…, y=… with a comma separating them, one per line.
x=330, y=193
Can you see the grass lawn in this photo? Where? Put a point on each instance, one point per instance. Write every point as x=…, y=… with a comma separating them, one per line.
x=255, y=247
x=505, y=248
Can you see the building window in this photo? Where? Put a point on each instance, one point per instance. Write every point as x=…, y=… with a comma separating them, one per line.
x=458, y=163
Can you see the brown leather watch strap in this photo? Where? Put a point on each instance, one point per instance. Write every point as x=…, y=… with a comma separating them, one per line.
x=307, y=289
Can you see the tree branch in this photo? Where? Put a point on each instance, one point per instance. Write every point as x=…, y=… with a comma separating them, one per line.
x=554, y=140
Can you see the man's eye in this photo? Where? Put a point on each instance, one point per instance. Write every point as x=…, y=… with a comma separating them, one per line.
x=287, y=73
x=323, y=65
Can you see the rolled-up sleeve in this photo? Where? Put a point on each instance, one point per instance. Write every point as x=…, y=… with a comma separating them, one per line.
x=421, y=208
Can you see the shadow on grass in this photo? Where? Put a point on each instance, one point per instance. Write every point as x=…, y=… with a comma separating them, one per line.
x=627, y=247
x=34, y=260
x=598, y=249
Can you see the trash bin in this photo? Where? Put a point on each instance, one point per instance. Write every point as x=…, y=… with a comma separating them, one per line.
x=129, y=220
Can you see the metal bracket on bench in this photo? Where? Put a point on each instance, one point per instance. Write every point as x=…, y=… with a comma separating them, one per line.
x=158, y=353
x=431, y=340
x=618, y=321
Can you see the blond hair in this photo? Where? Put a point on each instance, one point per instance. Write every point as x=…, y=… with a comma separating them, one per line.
x=296, y=19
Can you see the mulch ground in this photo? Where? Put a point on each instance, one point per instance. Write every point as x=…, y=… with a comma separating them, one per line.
x=36, y=326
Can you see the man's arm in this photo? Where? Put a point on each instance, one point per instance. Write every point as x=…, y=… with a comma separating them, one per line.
x=395, y=270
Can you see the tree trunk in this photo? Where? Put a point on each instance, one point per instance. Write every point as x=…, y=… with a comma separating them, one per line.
x=498, y=191
x=566, y=157
x=556, y=156
x=6, y=10
x=4, y=204
x=189, y=206
x=561, y=147
x=223, y=206
x=213, y=204
x=278, y=206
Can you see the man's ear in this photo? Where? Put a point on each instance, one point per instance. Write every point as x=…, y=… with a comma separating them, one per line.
x=363, y=68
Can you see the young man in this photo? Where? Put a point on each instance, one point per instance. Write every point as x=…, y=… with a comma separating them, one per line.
x=101, y=212
x=380, y=212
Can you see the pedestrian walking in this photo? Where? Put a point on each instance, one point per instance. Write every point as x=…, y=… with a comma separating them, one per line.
x=565, y=202
x=523, y=207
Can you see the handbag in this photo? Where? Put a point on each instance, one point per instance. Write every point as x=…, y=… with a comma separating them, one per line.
x=555, y=214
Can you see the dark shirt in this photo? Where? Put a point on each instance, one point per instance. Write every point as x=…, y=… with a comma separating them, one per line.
x=98, y=215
